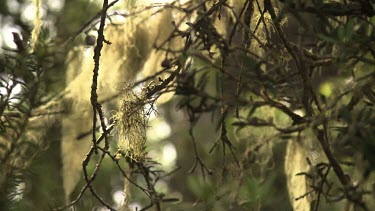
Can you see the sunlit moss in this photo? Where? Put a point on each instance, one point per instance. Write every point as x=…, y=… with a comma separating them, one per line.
x=37, y=23
x=132, y=127
x=129, y=54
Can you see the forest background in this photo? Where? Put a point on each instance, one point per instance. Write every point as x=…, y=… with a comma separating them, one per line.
x=181, y=105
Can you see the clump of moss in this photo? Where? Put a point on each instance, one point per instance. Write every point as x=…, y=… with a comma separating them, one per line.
x=131, y=123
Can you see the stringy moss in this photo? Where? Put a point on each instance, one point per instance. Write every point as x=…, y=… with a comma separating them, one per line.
x=128, y=55
x=37, y=24
x=132, y=127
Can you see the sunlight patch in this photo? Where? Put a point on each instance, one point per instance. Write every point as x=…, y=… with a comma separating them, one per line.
x=158, y=130
x=169, y=155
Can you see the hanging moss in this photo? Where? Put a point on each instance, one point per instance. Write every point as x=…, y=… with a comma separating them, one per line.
x=132, y=127
x=37, y=23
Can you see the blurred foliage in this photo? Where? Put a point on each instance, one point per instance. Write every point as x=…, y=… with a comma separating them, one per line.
x=249, y=81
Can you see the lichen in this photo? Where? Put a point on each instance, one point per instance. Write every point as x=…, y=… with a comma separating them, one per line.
x=131, y=123
x=37, y=24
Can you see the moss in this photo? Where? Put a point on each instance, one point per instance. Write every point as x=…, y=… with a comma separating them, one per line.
x=37, y=24
x=132, y=127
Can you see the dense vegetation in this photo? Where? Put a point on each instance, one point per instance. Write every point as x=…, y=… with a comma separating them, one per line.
x=200, y=104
